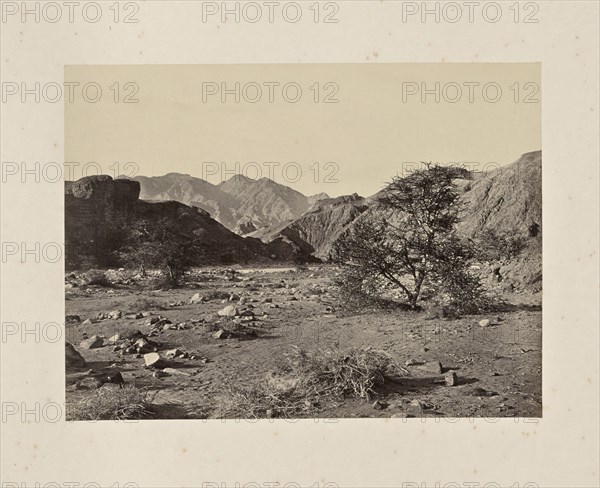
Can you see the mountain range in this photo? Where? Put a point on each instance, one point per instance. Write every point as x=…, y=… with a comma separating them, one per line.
x=240, y=203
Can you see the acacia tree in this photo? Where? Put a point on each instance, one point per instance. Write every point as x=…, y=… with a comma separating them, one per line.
x=158, y=244
x=410, y=239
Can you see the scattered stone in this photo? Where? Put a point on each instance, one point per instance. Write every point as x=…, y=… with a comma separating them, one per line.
x=197, y=298
x=221, y=334
x=485, y=323
x=172, y=353
x=87, y=322
x=451, y=378
x=228, y=311
x=400, y=416
x=143, y=345
x=115, y=378
x=72, y=358
x=411, y=362
x=159, y=374
x=72, y=319
x=174, y=371
x=133, y=316
x=153, y=359
x=92, y=343
x=114, y=314
x=115, y=338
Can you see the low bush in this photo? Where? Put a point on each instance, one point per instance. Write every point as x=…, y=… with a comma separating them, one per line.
x=111, y=403
x=142, y=304
x=311, y=381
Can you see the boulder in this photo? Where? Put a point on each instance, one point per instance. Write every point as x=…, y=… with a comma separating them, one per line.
x=174, y=371
x=92, y=343
x=143, y=345
x=433, y=367
x=228, y=311
x=72, y=358
x=222, y=334
x=114, y=338
x=90, y=383
x=114, y=314
x=153, y=360
x=172, y=353
x=197, y=298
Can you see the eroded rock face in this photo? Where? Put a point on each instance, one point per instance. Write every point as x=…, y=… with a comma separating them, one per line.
x=97, y=209
x=100, y=211
x=319, y=228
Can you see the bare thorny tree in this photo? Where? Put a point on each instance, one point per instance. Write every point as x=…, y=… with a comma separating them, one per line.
x=410, y=239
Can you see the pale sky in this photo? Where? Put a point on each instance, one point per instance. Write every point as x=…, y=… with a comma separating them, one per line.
x=354, y=145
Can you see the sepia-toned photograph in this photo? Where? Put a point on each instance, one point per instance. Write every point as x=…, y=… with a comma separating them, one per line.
x=387, y=264
x=299, y=244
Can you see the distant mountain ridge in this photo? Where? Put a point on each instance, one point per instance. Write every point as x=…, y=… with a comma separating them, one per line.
x=241, y=204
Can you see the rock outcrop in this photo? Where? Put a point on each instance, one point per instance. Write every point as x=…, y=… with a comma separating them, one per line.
x=99, y=212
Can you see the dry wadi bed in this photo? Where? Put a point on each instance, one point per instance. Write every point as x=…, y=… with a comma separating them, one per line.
x=499, y=367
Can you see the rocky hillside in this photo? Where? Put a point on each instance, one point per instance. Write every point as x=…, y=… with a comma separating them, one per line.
x=506, y=201
x=99, y=211
x=317, y=230
x=241, y=204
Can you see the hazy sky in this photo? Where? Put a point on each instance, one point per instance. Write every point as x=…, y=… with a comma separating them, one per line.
x=380, y=123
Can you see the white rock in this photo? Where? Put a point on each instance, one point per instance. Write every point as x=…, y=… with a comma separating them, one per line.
x=152, y=359
x=228, y=311
x=197, y=298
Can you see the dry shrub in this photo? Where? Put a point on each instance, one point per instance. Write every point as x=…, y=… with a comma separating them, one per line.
x=147, y=303
x=111, y=403
x=311, y=381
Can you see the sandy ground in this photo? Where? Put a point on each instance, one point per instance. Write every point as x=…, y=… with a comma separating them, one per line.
x=499, y=367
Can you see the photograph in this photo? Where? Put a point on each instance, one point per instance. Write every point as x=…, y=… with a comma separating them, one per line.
x=316, y=241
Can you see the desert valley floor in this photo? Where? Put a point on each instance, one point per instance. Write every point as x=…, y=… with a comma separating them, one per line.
x=498, y=366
